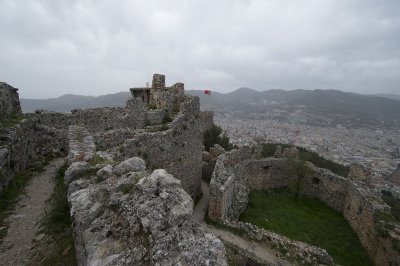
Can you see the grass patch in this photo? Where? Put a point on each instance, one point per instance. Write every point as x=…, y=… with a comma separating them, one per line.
x=268, y=149
x=56, y=223
x=126, y=188
x=96, y=159
x=387, y=217
x=307, y=220
x=11, y=120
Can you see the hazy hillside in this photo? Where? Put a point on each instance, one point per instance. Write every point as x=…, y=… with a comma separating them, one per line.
x=322, y=107
x=68, y=102
x=389, y=95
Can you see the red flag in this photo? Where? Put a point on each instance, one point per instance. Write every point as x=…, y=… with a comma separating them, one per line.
x=208, y=92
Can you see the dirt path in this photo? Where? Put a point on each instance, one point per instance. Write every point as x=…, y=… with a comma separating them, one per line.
x=23, y=223
x=260, y=251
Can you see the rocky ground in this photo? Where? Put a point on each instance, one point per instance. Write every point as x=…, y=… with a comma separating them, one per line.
x=23, y=222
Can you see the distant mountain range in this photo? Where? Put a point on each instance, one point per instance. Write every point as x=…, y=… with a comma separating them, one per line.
x=316, y=107
x=390, y=96
x=68, y=102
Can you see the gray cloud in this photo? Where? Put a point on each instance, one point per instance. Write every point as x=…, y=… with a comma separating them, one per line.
x=49, y=48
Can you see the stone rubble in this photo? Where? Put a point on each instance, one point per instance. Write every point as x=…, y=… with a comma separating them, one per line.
x=149, y=222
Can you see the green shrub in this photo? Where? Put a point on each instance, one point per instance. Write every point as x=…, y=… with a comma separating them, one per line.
x=268, y=149
x=121, y=149
x=164, y=127
x=166, y=119
x=184, y=127
x=147, y=122
x=301, y=171
x=152, y=106
x=213, y=136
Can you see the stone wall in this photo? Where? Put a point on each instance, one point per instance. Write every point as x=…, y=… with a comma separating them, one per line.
x=95, y=119
x=228, y=192
x=176, y=149
x=236, y=174
x=207, y=121
x=9, y=100
x=125, y=214
x=23, y=142
x=140, y=130
x=300, y=253
x=28, y=144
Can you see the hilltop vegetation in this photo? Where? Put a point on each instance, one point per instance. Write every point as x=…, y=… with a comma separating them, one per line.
x=268, y=149
x=215, y=136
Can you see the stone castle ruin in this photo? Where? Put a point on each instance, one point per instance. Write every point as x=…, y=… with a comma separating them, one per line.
x=134, y=171
x=160, y=124
x=239, y=171
x=123, y=210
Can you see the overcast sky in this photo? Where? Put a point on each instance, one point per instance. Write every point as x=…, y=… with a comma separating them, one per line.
x=50, y=48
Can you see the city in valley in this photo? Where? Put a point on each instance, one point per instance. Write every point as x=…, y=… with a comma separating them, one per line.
x=377, y=149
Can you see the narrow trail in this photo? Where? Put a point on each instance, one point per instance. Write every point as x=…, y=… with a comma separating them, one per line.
x=258, y=250
x=23, y=223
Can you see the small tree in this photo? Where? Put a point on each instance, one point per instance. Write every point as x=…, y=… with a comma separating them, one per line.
x=300, y=170
x=213, y=136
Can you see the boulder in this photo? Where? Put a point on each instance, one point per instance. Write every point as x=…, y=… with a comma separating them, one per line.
x=134, y=164
x=149, y=224
x=205, y=156
x=106, y=156
x=74, y=171
x=216, y=151
x=105, y=172
x=78, y=185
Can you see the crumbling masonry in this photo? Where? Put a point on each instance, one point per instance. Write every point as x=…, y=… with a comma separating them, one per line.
x=239, y=171
x=160, y=124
